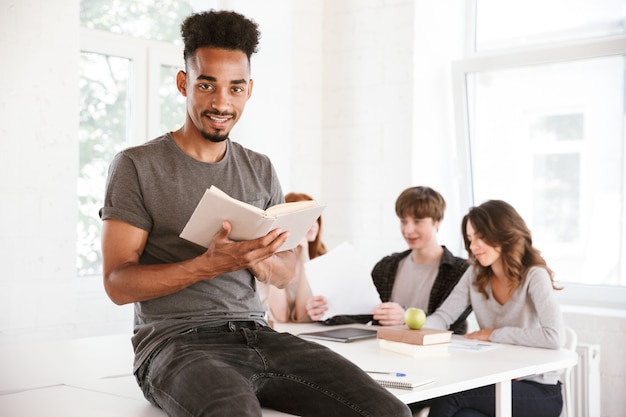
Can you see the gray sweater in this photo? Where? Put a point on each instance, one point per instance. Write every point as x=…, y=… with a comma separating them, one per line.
x=531, y=317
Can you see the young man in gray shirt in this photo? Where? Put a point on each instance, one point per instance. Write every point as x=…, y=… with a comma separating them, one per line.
x=202, y=346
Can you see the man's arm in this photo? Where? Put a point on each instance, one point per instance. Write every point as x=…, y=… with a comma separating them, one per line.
x=127, y=281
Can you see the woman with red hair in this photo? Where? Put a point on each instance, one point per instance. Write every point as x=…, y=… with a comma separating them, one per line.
x=289, y=303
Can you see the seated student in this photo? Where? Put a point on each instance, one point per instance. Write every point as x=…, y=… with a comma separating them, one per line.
x=289, y=303
x=421, y=276
x=511, y=290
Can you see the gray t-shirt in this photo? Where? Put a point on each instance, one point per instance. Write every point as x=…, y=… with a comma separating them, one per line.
x=156, y=186
x=413, y=283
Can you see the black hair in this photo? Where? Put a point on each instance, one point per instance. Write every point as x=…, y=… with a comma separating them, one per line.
x=219, y=29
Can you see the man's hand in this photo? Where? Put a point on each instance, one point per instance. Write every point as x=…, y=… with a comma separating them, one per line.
x=225, y=255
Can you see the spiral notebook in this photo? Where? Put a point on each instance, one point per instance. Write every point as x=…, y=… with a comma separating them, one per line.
x=401, y=382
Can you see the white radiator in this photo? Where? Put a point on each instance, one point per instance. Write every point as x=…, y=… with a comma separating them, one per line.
x=586, y=381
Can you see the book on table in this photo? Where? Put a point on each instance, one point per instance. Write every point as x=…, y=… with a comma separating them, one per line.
x=415, y=351
x=247, y=221
x=423, y=336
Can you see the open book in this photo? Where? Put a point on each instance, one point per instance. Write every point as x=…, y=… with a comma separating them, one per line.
x=248, y=222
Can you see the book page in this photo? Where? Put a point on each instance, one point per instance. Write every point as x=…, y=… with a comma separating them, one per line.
x=297, y=223
x=247, y=221
x=343, y=279
x=285, y=208
x=216, y=206
x=222, y=194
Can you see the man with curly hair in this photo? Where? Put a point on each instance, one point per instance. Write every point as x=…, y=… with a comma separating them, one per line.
x=202, y=345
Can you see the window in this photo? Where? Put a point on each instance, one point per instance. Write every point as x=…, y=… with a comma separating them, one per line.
x=145, y=19
x=130, y=54
x=504, y=25
x=104, y=122
x=544, y=130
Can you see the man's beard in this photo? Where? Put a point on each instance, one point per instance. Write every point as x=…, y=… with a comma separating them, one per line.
x=213, y=138
x=216, y=138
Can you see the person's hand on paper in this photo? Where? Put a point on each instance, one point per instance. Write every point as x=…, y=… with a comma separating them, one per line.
x=343, y=277
x=482, y=334
x=389, y=314
x=316, y=306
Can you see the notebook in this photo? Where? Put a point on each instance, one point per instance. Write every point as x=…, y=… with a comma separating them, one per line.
x=401, y=382
x=344, y=334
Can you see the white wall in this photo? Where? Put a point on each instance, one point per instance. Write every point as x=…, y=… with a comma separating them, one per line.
x=351, y=101
x=38, y=163
x=368, y=129
x=439, y=39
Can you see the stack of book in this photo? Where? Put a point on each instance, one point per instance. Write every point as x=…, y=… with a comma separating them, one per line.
x=416, y=343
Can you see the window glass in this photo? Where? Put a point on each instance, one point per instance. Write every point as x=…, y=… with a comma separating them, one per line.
x=508, y=24
x=111, y=79
x=145, y=19
x=104, y=121
x=171, y=102
x=549, y=139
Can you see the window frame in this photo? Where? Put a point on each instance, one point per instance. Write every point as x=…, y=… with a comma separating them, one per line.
x=147, y=57
x=584, y=294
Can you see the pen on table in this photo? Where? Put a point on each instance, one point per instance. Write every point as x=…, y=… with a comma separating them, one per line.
x=386, y=373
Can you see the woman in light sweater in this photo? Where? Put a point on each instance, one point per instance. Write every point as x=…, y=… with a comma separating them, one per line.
x=511, y=290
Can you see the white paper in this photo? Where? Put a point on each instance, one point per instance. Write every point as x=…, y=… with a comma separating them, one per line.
x=471, y=345
x=342, y=278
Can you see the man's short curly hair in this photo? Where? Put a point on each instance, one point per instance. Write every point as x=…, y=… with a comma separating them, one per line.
x=219, y=29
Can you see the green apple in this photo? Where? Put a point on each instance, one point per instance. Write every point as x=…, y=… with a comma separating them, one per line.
x=414, y=318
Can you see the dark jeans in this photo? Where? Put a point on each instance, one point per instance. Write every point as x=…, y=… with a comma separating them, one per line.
x=530, y=399
x=235, y=369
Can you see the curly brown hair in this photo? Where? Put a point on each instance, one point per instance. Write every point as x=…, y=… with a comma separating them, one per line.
x=219, y=29
x=498, y=224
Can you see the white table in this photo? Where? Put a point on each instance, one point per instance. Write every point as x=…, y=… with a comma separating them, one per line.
x=455, y=372
x=93, y=377
x=35, y=365
x=75, y=378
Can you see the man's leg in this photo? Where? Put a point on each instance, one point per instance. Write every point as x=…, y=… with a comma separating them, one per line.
x=305, y=378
